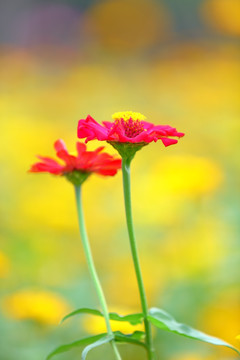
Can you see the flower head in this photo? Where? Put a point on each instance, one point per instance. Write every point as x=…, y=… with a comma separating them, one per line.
x=128, y=127
x=41, y=306
x=78, y=168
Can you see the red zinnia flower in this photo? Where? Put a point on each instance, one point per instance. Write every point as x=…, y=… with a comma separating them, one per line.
x=128, y=127
x=80, y=166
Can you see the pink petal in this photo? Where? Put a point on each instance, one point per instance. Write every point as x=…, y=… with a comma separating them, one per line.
x=168, y=141
x=90, y=129
x=108, y=124
x=147, y=125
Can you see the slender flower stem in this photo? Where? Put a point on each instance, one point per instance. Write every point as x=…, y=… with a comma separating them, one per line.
x=128, y=210
x=92, y=269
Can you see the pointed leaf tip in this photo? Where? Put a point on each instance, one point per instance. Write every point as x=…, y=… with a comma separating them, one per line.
x=81, y=311
x=165, y=321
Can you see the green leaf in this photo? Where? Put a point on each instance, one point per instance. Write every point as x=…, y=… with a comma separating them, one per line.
x=82, y=311
x=165, y=321
x=99, y=342
x=134, y=338
x=66, y=347
x=133, y=319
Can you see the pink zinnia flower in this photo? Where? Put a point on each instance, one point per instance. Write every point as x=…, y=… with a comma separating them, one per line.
x=128, y=127
x=85, y=163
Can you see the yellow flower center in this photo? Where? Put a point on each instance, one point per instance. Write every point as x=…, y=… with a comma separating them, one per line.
x=130, y=121
x=126, y=115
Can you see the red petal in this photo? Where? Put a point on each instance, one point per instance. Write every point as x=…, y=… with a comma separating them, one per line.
x=44, y=167
x=107, y=172
x=60, y=145
x=48, y=160
x=81, y=147
x=90, y=161
x=98, y=150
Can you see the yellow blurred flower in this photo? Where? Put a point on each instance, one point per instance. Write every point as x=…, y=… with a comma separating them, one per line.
x=4, y=265
x=221, y=318
x=50, y=205
x=123, y=280
x=195, y=251
x=168, y=181
x=41, y=306
x=186, y=175
x=224, y=15
x=192, y=357
x=96, y=324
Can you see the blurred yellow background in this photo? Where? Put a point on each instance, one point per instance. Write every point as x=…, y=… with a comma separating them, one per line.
x=178, y=64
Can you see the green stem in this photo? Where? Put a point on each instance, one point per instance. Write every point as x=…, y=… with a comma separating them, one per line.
x=128, y=210
x=92, y=269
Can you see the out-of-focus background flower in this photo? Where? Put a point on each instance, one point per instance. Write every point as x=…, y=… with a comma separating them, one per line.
x=177, y=62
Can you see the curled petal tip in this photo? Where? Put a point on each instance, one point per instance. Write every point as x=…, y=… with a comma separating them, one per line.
x=60, y=145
